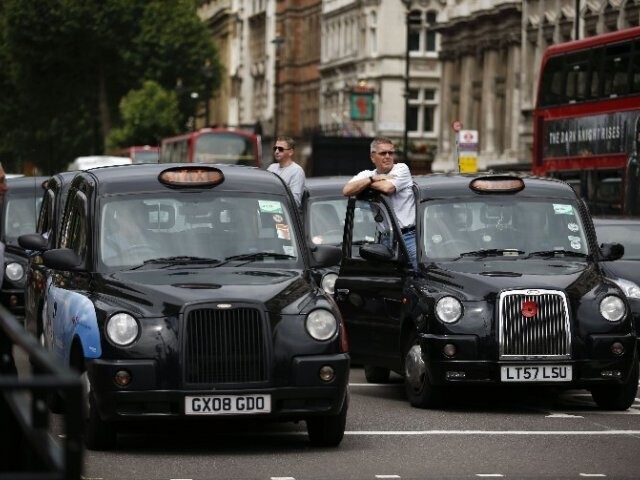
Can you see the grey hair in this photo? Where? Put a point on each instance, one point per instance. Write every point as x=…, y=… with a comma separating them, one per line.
x=379, y=141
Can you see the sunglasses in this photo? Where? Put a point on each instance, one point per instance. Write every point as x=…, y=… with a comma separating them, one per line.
x=280, y=149
x=391, y=153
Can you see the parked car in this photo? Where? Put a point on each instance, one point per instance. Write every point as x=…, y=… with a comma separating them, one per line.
x=184, y=291
x=47, y=233
x=625, y=271
x=508, y=291
x=19, y=212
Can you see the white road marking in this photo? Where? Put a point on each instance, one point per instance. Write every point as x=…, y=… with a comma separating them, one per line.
x=283, y=478
x=388, y=476
x=489, y=475
x=490, y=432
x=563, y=415
x=592, y=475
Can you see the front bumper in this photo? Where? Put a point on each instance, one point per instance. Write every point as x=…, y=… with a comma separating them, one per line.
x=593, y=369
x=13, y=300
x=305, y=395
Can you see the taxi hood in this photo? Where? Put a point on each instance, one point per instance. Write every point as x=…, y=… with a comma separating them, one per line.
x=478, y=279
x=160, y=292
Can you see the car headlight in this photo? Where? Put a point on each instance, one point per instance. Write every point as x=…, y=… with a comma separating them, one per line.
x=329, y=282
x=612, y=308
x=14, y=271
x=321, y=324
x=630, y=289
x=122, y=329
x=448, y=309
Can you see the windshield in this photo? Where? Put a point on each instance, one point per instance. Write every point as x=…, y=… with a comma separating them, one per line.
x=21, y=215
x=145, y=156
x=326, y=221
x=628, y=235
x=224, y=148
x=179, y=228
x=502, y=226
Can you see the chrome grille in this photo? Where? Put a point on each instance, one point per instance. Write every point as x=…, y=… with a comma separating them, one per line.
x=225, y=346
x=547, y=334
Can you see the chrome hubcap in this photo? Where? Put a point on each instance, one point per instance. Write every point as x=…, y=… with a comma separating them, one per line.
x=414, y=366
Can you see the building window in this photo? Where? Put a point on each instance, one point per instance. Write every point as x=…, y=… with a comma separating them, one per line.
x=422, y=37
x=422, y=111
x=373, y=34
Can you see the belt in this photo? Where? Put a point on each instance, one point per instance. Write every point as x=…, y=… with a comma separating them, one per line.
x=408, y=229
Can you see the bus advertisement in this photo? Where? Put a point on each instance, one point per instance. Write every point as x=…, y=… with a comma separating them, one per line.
x=587, y=120
x=213, y=145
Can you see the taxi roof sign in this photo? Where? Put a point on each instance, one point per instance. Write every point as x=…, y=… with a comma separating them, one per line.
x=200, y=176
x=497, y=184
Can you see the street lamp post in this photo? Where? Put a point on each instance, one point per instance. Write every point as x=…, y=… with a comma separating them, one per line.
x=577, y=22
x=276, y=92
x=407, y=17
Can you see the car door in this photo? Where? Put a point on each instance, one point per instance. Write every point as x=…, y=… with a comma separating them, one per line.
x=369, y=292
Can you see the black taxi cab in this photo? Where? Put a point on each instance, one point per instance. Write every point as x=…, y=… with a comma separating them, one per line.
x=18, y=215
x=184, y=291
x=44, y=236
x=324, y=207
x=509, y=290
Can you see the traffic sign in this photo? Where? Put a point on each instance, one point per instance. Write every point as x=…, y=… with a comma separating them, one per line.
x=456, y=125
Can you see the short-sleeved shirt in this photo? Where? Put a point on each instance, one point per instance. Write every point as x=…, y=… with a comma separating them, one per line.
x=403, y=200
x=293, y=175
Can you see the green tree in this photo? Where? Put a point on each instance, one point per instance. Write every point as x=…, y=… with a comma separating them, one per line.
x=67, y=64
x=148, y=115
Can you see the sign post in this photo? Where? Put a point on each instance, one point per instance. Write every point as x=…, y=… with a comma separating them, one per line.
x=456, y=126
x=467, y=146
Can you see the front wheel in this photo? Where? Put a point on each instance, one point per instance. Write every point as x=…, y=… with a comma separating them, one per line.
x=376, y=374
x=328, y=430
x=618, y=397
x=99, y=435
x=420, y=392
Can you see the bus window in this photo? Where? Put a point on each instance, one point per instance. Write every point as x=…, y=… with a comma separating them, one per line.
x=616, y=69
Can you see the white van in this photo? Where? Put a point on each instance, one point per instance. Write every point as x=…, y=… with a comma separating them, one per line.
x=93, y=161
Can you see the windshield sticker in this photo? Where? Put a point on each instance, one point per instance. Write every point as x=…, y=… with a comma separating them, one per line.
x=436, y=238
x=282, y=231
x=486, y=237
x=288, y=250
x=575, y=242
x=562, y=209
x=278, y=218
x=573, y=227
x=270, y=206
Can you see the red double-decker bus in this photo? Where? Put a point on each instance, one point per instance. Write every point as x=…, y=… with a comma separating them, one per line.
x=140, y=153
x=213, y=145
x=587, y=120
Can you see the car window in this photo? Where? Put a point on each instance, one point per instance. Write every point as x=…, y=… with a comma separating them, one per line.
x=627, y=235
x=20, y=216
x=454, y=228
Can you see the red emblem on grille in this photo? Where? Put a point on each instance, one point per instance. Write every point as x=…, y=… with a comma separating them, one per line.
x=529, y=309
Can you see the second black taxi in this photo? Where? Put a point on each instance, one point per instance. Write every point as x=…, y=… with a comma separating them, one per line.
x=183, y=291
x=509, y=290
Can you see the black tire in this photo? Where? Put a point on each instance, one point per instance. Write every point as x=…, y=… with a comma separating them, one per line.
x=376, y=374
x=328, y=430
x=420, y=392
x=618, y=397
x=55, y=402
x=99, y=435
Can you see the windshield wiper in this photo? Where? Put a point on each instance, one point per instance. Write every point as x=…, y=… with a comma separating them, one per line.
x=486, y=252
x=258, y=256
x=552, y=253
x=179, y=260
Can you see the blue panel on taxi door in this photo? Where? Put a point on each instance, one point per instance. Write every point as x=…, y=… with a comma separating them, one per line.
x=72, y=314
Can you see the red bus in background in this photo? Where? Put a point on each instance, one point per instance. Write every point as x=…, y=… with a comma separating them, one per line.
x=587, y=120
x=140, y=154
x=213, y=145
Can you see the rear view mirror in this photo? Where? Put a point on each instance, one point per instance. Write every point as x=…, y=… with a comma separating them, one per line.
x=325, y=255
x=611, y=251
x=33, y=241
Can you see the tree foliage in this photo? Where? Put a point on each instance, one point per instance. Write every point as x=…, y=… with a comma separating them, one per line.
x=66, y=66
x=148, y=115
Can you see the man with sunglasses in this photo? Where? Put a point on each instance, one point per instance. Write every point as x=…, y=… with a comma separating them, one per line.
x=393, y=179
x=292, y=173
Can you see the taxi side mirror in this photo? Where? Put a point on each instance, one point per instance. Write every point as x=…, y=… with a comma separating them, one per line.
x=376, y=252
x=325, y=255
x=62, y=259
x=33, y=241
x=611, y=251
